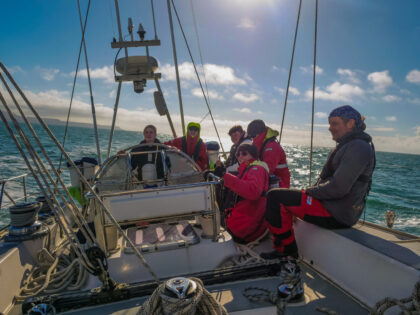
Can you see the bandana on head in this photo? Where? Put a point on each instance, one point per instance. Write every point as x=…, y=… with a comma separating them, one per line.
x=348, y=112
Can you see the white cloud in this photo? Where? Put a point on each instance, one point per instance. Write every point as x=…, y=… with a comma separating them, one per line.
x=54, y=104
x=215, y=74
x=275, y=68
x=294, y=91
x=413, y=76
x=246, y=98
x=212, y=94
x=15, y=69
x=112, y=94
x=280, y=90
x=246, y=23
x=310, y=69
x=391, y=118
x=390, y=98
x=321, y=115
x=337, y=92
x=242, y=110
x=348, y=74
x=47, y=74
x=414, y=100
x=382, y=129
x=380, y=80
x=105, y=73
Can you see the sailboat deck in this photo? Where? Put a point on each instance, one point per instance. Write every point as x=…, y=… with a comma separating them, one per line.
x=319, y=292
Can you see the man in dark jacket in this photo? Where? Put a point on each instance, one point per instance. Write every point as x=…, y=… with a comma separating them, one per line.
x=335, y=201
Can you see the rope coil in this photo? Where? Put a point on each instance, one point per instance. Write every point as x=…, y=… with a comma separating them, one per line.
x=202, y=302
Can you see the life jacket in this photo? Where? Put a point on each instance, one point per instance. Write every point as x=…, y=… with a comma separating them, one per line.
x=197, y=148
x=270, y=136
x=232, y=197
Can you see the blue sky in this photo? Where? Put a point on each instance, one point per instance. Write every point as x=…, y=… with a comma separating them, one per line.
x=368, y=56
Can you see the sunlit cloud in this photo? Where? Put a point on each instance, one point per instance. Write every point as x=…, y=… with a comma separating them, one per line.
x=105, y=73
x=380, y=80
x=242, y=110
x=47, y=74
x=391, y=118
x=321, y=115
x=211, y=93
x=246, y=98
x=414, y=100
x=413, y=76
x=294, y=90
x=214, y=74
x=310, y=69
x=336, y=92
x=246, y=23
x=349, y=75
x=15, y=69
x=391, y=98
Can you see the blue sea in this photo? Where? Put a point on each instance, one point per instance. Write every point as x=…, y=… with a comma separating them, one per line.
x=396, y=181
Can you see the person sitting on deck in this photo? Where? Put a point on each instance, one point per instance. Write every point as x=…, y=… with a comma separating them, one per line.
x=271, y=152
x=238, y=136
x=138, y=161
x=245, y=220
x=335, y=201
x=213, y=148
x=192, y=145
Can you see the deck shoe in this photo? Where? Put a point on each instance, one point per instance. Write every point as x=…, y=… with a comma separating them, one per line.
x=277, y=255
x=290, y=287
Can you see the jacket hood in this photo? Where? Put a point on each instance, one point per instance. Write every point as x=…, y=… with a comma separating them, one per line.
x=194, y=124
x=271, y=133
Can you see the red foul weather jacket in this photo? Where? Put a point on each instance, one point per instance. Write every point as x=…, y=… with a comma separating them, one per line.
x=246, y=219
x=201, y=158
x=271, y=152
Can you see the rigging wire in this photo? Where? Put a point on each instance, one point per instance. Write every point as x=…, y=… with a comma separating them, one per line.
x=154, y=20
x=313, y=91
x=105, y=209
x=74, y=84
x=90, y=87
x=290, y=70
x=199, y=50
x=178, y=84
x=112, y=20
x=198, y=77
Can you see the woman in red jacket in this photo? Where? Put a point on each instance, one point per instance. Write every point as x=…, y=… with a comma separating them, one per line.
x=245, y=220
x=192, y=145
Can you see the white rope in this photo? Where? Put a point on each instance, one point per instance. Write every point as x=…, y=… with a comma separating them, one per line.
x=202, y=302
x=245, y=254
x=53, y=275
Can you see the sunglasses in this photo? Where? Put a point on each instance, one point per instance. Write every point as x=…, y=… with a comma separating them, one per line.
x=242, y=153
x=193, y=129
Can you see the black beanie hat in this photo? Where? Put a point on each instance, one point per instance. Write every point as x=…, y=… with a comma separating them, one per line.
x=255, y=127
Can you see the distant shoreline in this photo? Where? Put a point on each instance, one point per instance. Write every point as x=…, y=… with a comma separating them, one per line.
x=58, y=122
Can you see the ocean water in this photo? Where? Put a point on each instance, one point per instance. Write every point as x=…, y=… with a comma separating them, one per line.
x=396, y=181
